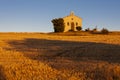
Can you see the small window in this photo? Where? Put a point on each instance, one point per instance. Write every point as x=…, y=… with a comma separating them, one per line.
x=71, y=18
x=68, y=23
x=76, y=24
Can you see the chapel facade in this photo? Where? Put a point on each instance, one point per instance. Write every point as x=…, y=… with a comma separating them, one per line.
x=71, y=22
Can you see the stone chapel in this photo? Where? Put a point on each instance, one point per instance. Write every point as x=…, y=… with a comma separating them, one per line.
x=71, y=22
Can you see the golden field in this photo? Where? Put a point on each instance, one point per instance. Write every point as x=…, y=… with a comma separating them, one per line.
x=38, y=56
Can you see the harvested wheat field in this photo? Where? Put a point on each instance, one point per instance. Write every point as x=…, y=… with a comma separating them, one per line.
x=36, y=56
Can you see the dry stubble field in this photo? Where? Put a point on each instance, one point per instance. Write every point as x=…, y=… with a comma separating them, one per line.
x=35, y=56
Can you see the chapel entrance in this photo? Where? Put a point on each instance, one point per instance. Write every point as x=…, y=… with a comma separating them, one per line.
x=72, y=26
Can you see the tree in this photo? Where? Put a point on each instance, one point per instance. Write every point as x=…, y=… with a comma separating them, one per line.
x=79, y=28
x=58, y=25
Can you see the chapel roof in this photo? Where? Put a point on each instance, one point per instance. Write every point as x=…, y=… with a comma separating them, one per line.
x=72, y=14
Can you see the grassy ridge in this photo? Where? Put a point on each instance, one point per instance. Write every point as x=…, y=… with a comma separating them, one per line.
x=84, y=33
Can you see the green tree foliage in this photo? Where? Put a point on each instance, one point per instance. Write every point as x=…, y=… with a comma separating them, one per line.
x=58, y=25
x=79, y=28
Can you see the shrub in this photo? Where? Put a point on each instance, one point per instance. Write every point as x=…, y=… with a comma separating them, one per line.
x=94, y=30
x=79, y=28
x=88, y=29
x=104, y=31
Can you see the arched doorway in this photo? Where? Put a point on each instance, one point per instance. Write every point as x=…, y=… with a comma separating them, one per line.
x=72, y=26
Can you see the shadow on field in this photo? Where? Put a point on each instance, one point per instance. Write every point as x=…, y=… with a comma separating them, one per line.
x=2, y=76
x=51, y=50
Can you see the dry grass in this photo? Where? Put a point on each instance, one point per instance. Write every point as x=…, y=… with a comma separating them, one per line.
x=36, y=56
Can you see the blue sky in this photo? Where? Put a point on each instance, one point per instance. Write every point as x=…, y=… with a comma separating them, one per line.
x=36, y=15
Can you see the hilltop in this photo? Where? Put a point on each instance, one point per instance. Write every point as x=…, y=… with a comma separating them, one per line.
x=84, y=33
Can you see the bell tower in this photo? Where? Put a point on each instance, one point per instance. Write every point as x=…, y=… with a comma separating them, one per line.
x=71, y=13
